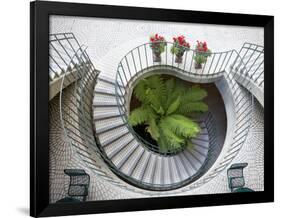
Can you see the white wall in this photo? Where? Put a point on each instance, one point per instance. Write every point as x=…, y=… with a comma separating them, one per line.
x=102, y=35
x=14, y=116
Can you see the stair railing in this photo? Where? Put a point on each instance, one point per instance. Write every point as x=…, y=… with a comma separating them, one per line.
x=134, y=65
x=253, y=68
x=141, y=60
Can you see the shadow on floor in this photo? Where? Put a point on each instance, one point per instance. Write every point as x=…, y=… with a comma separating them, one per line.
x=23, y=210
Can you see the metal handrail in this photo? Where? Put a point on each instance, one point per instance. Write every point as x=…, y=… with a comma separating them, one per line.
x=232, y=57
x=253, y=55
x=126, y=78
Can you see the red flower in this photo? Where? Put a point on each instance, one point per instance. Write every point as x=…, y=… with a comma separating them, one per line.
x=181, y=40
x=202, y=46
x=156, y=38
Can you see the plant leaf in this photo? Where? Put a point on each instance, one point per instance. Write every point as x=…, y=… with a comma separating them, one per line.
x=153, y=129
x=182, y=126
x=186, y=108
x=141, y=115
x=174, y=106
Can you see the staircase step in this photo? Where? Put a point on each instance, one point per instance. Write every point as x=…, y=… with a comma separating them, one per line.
x=140, y=169
x=132, y=160
x=198, y=155
x=201, y=150
x=110, y=136
x=167, y=178
x=106, y=124
x=196, y=164
x=203, y=137
x=106, y=88
x=174, y=170
x=186, y=163
x=113, y=148
x=181, y=167
x=149, y=172
x=158, y=171
x=109, y=80
x=104, y=100
x=200, y=142
x=105, y=113
x=124, y=154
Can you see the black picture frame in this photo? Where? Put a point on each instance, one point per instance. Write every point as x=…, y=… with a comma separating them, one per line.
x=39, y=119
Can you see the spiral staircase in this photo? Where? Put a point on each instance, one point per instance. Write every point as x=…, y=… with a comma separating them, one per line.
x=89, y=119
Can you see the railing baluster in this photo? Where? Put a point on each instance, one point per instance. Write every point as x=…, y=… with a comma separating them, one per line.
x=128, y=69
x=226, y=53
x=217, y=64
x=146, y=55
x=140, y=58
x=133, y=57
x=191, y=61
x=228, y=59
x=211, y=65
x=186, y=53
x=166, y=54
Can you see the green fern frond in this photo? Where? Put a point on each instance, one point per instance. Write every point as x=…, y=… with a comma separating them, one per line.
x=151, y=91
x=174, y=106
x=140, y=91
x=165, y=104
x=174, y=140
x=141, y=115
x=177, y=90
x=182, y=126
x=186, y=108
x=162, y=142
x=153, y=129
x=195, y=93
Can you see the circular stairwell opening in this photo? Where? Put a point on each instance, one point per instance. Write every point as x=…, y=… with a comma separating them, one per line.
x=197, y=107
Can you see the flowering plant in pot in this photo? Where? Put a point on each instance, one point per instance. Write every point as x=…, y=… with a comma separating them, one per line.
x=158, y=44
x=179, y=47
x=202, y=52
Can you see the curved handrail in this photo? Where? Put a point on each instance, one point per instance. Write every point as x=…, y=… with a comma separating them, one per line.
x=131, y=66
x=231, y=57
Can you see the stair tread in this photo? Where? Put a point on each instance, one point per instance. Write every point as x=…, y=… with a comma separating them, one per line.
x=103, y=125
x=105, y=112
x=109, y=136
x=139, y=171
x=148, y=175
x=117, y=145
x=131, y=161
x=123, y=155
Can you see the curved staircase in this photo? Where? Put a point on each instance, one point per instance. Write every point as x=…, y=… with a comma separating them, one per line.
x=94, y=113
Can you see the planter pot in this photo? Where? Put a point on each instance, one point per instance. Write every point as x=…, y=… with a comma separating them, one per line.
x=198, y=66
x=156, y=57
x=178, y=59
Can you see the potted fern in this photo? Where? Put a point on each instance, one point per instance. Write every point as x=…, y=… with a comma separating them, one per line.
x=179, y=47
x=166, y=110
x=158, y=44
x=202, y=52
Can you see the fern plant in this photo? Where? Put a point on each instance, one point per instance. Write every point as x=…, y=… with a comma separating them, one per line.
x=166, y=109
